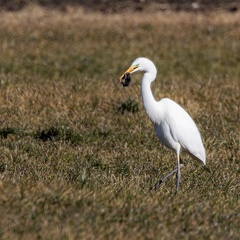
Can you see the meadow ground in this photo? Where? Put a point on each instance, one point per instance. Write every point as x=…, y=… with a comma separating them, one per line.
x=78, y=153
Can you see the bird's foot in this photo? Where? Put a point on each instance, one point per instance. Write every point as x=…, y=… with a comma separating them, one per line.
x=162, y=180
x=156, y=185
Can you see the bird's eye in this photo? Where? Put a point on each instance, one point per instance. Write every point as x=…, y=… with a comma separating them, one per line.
x=136, y=66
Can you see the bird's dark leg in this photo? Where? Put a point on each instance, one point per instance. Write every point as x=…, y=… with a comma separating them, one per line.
x=178, y=174
x=162, y=180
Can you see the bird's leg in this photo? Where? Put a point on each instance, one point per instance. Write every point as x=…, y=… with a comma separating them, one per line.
x=162, y=180
x=178, y=174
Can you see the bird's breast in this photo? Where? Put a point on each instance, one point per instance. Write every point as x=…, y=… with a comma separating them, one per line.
x=164, y=135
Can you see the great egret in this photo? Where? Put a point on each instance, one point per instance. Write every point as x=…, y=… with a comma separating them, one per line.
x=174, y=127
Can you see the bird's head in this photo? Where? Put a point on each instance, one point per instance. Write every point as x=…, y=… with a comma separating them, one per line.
x=140, y=64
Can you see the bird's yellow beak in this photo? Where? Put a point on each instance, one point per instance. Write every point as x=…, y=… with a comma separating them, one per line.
x=125, y=79
x=129, y=71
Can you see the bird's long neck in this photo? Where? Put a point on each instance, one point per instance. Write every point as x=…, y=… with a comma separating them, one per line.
x=149, y=102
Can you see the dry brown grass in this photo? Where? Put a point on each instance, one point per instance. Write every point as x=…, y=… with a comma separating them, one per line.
x=74, y=167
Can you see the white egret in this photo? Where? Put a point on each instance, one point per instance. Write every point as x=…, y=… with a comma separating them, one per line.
x=174, y=127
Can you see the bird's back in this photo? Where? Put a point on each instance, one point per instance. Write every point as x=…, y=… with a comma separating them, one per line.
x=176, y=126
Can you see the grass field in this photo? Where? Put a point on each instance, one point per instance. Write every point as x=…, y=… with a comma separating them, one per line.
x=78, y=153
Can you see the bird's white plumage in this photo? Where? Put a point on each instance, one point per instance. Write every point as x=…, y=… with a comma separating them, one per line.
x=177, y=126
x=174, y=127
